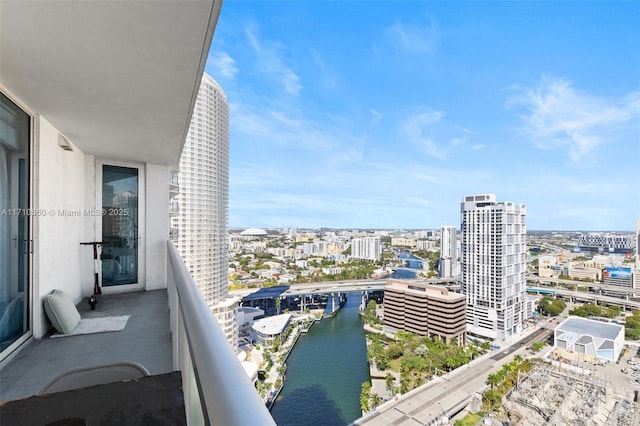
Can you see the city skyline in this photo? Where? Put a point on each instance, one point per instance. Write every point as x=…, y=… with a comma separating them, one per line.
x=384, y=114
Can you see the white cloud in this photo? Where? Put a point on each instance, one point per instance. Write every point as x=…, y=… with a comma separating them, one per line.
x=282, y=128
x=558, y=116
x=428, y=130
x=428, y=178
x=270, y=62
x=413, y=39
x=224, y=65
x=328, y=78
x=376, y=116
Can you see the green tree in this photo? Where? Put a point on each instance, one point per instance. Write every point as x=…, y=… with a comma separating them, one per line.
x=365, y=394
x=375, y=400
x=536, y=346
x=382, y=363
x=394, y=351
x=492, y=399
x=494, y=380
x=421, y=350
x=632, y=333
x=389, y=381
x=550, y=306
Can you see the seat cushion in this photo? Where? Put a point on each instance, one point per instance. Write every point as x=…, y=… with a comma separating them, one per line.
x=61, y=310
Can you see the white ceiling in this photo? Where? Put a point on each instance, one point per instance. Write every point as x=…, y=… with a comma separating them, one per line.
x=118, y=78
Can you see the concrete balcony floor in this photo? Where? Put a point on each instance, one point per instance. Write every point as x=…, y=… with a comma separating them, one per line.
x=146, y=340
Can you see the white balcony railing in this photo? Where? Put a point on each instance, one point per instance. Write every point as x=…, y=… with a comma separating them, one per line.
x=216, y=388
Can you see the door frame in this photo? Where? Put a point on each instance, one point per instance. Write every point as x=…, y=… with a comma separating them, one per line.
x=141, y=284
x=30, y=285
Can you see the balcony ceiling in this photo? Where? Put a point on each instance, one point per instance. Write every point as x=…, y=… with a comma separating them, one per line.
x=118, y=78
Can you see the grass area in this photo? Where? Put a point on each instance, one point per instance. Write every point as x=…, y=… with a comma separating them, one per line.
x=470, y=419
x=395, y=364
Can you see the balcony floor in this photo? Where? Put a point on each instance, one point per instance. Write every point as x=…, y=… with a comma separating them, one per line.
x=146, y=340
x=152, y=400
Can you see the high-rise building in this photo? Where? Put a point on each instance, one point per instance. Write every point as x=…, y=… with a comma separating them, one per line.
x=493, y=275
x=367, y=248
x=202, y=221
x=448, y=265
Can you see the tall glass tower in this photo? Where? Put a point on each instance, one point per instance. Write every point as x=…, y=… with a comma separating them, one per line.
x=493, y=275
x=448, y=265
x=202, y=220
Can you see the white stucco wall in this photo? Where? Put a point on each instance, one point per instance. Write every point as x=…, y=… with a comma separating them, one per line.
x=157, y=225
x=64, y=186
x=59, y=189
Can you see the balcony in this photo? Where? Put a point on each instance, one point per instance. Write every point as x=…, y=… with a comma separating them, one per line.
x=168, y=330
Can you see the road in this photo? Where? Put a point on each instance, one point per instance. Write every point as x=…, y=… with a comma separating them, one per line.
x=552, y=283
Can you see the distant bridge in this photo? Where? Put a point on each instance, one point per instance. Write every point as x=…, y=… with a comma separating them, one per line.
x=539, y=290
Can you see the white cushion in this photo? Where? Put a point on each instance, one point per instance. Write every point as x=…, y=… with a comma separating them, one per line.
x=61, y=310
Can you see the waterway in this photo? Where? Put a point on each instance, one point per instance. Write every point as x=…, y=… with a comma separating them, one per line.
x=325, y=372
x=400, y=274
x=414, y=264
x=411, y=260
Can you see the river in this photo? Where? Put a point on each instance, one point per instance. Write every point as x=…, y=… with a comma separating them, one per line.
x=326, y=369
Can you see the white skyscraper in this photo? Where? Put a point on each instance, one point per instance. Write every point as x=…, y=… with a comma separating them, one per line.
x=368, y=248
x=202, y=221
x=493, y=274
x=448, y=265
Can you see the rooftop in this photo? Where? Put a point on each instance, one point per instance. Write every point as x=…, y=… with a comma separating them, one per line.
x=266, y=293
x=437, y=292
x=272, y=325
x=595, y=328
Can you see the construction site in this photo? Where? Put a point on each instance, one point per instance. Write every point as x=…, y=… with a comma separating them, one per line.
x=550, y=395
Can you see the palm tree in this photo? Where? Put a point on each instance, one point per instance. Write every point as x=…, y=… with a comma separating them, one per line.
x=450, y=363
x=375, y=400
x=390, y=383
x=364, y=396
x=494, y=379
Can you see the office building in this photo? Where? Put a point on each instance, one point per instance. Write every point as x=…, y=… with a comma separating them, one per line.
x=448, y=264
x=96, y=99
x=367, y=248
x=493, y=267
x=425, y=310
x=203, y=201
x=548, y=267
x=428, y=245
x=607, y=241
x=403, y=242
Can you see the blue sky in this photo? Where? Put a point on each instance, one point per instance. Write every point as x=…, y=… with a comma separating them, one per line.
x=355, y=114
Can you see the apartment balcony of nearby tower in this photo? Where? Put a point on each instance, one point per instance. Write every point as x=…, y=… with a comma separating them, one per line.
x=174, y=184
x=85, y=157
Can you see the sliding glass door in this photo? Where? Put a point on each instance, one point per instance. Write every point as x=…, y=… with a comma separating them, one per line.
x=120, y=226
x=15, y=126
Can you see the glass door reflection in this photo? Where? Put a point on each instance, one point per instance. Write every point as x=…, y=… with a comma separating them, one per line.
x=119, y=225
